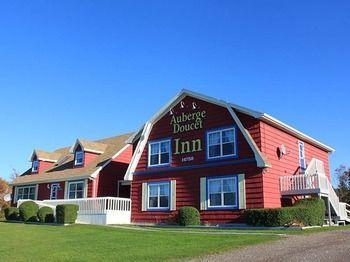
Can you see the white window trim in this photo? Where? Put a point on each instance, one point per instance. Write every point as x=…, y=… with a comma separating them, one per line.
x=29, y=186
x=35, y=168
x=57, y=185
x=159, y=154
x=221, y=144
x=76, y=182
x=76, y=163
x=222, y=192
x=169, y=195
x=301, y=143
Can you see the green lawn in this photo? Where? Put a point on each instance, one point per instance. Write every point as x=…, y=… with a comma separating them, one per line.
x=24, y=242
x=21, y=242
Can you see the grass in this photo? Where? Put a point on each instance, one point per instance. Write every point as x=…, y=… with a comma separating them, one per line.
x=25, y=242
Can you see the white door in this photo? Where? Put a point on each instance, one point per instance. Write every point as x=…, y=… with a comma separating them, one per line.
x=54, y=191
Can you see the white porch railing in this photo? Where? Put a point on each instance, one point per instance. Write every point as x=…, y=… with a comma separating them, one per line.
x=100, y=210
x=314, y=182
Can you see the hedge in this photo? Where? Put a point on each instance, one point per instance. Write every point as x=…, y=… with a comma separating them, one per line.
x=11, y=213
x=189, y=216
x=45, y=215
x=305, y=212
x=28, y=211
x=313, y=213
x=66, y=214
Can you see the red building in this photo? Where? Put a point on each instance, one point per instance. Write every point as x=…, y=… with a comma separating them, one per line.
x=196, y=151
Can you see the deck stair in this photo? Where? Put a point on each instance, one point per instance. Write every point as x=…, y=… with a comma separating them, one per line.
x=315, y=182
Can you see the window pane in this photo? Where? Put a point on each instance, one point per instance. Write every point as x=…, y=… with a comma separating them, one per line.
x=155, y=148
x=20, y=191
x=154, y=160
x=227, y=136
x=214, y=138
x=165, y=147
x=164, y=158
x=71, y=194
x=72, y=187
x=229, y=199
x=215, y=199
x=153, y=202
x=164, y=189
x=79, y=186
x=228, y=149
x=164, y=201
x=153, y=190
x=32, y=190
x=79, y=194
x=214, y=151
x=25, y=192
x=228, y=185
x=215, y=186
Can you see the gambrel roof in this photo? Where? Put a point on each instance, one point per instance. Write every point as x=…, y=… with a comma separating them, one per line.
x=144, y=132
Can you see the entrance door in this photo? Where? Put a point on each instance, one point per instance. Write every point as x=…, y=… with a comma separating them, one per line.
x=123, y=189
x=54, y=191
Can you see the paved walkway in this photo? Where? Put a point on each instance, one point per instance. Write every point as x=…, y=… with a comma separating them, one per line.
x=326, y=246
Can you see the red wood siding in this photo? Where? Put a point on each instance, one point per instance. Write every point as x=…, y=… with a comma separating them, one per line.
x=188, y=179
x=107, y=182
x=188, y=193
x=216, y=117
x=45, y=189
x=43, y=165
x=288, y=165
x=88, y=157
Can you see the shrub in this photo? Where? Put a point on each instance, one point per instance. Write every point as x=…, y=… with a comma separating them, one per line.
x=312, y=211
x=28, y=211
x=189, y=216
x=306, y=212
x=66, y=214
x=45, y=215
x=11, y=213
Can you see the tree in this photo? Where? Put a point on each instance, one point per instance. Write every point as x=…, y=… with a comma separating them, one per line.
x=5, y=189
x=14, y=174
x=343, y=177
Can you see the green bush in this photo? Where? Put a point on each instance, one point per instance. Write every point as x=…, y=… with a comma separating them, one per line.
x=28, y=211
x=305, y=212
x=11, y=213
x=189, y=216
x=45, y=215
x=66, y=214
x=312, y=211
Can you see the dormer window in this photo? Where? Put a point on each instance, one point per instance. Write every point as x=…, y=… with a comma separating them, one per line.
x=35, y=166
x=79, y=158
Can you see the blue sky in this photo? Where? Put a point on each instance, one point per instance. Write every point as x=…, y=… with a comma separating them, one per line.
x=92, y=69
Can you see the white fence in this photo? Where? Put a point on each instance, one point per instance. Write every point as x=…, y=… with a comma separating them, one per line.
x=99, y=211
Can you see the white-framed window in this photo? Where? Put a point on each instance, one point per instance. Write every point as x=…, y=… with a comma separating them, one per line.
x=222, y=192
x=221, y=143
x=54, y=191
x=159, y=153
x=35, y=166
x=302, y=160
x=79, y=158
x=26, y=192
x=158, y=195
x=76, y=189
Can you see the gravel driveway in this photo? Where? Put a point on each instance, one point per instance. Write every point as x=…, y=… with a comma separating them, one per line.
x=326, y=246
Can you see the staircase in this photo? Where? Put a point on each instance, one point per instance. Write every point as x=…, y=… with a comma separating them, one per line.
x=314, y=181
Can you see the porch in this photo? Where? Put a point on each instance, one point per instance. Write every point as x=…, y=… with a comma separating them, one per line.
x=98, y=211
x=315, y=182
